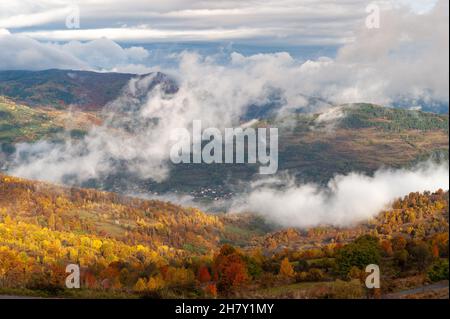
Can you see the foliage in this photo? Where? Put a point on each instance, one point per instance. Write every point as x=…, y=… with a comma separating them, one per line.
x=439, y=270
x=369, y=115
x=230, y=269
x=286, y=270
x=131, y=246
x=363, y=251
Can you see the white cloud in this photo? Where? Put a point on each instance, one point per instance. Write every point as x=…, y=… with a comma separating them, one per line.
x=34, y=19
x=287, y=21
x=346, y=200
x=408, y=55
x=4, y=32
x=406, y=58
x=22, y=52
x=104, y=53
x=325, y=22
x=145, y=34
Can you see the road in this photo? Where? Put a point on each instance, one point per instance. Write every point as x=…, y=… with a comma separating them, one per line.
x=436, y=286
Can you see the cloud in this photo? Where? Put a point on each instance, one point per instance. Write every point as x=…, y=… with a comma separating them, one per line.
x=405, y=60
x=287, y=21
x=408, y=55
x=104, y=53
x=290, y=22
x=136, y=133
x=147, y=35
x=33, y=19
x=346, y=200
x=25, y=53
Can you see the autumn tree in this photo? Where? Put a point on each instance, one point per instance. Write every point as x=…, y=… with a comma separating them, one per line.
x=211, y=290
x=230, y=270
x=203, y=274
x=286, y=270
x=398, y=243
x=387, y=248
x=141, y=285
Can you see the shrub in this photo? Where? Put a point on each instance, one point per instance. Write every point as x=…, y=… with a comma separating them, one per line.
x=315, y=274
x=438, y=271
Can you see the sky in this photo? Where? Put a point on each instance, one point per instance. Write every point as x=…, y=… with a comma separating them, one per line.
x=284, y=22
x=332, y=50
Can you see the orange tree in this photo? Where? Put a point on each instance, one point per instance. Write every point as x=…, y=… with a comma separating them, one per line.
x=229, y=269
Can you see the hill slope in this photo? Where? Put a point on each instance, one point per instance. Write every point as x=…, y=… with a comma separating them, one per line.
x=130, y=247
x=315, y=147
x=312, y=147
x=21, y=123
x=131, y=220
x=59, y=89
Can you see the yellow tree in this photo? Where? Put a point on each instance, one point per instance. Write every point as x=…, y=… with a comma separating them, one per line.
x=140, y=285
x=286, y=269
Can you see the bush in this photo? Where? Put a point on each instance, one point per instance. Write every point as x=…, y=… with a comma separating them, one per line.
x=438, y=271
x=420, y=255
x=253, y=267
x=301, y=276
x=267, y=280
x=302, y=265
x=315, y=274
x=401, y=258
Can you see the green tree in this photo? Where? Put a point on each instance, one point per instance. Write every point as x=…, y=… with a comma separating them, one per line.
x=438, y=271
x=363, y=251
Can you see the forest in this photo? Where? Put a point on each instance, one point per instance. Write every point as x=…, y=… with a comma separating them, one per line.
x=128, y=247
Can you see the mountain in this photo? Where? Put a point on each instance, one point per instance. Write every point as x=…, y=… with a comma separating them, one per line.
x=312, y=147
x=152, y=223
x=61, y=89
x=316, y=147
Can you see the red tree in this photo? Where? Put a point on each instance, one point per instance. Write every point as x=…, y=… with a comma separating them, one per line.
x=203, y=274
x=230, y=270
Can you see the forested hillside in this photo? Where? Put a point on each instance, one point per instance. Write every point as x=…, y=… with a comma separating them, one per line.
x=126, y=245
x=21, y=123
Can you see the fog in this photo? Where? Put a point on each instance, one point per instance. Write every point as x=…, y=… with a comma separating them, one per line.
x=346, y=200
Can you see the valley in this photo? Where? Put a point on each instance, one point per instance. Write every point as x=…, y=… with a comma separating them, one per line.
x=313, y=147
x=134, y=238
